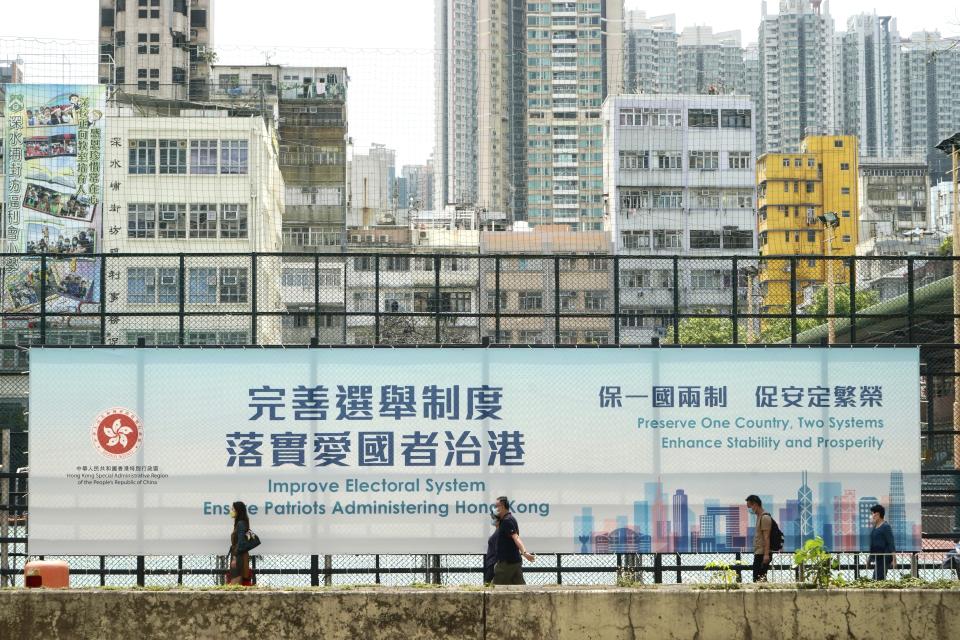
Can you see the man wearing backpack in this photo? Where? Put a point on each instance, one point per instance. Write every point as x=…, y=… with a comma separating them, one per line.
x=761, y=538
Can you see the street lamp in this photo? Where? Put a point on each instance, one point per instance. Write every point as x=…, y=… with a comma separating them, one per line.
x=830, y=221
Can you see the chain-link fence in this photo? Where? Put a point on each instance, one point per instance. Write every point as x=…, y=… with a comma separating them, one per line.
x=503, y=300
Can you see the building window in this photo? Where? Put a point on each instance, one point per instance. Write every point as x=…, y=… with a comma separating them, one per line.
x=595, y=300
x=120, y=38
x=844, y=166
x=634, y=160
x=704, y=239
x=530, y=300
x=596, y=337
x=172, y=222
x=173, y=157
x=669, y=160
x=738, y=160
x=233, y=285
x=203, y=221
x=838, y=144
x=148, y=8
x=142, y=157
x=845, y=191
x=668, y=199
x=737, y=239
x=395, y=263
x=666, y=239
x=810, y=163
x=707, y=199
x=635, y=278
x=811, y=235
x=141, y=285
x=233, y=156
x=233, y=221
x=635, y=239
x=810, y=187
x=702, y=118
x=363, y=263
x=168, y=285
x=634, y=199
x=845, y=239
x=786, y=162
x=141, y=220
x=707, y=160
x=706, y=279
x=492, y=301
x=203, y=157
x=735, y=118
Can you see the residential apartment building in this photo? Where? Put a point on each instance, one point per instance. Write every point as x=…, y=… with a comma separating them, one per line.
x=710, y=62
x=416, y=183
x=894, y=196
x=309, y=107
x=456, y=78
x=574, y=55
x=796, y=67
x=679, y=172
x=160, y=49
x=185, y=184
x=650, y=53
x=372, y=181
x=868, y=84
x=501, y=107
x=534, y=294
x=931, y=96
x=941, y=207
x=793, y=189
x=11, y=72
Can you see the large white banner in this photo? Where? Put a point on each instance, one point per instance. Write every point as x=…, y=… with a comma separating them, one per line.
x=405, y=450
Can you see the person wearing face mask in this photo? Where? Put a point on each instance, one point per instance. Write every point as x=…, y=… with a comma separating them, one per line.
x=510, y=548
x=239, y=571
x=490, y=557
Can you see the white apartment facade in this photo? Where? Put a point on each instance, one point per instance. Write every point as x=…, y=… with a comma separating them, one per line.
x=679, y=172
x=206, y=187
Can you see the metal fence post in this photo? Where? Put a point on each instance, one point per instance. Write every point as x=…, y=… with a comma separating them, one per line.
x=658, y=568
x=376, y=569
x=556, y=299
x=314, y=570
x=181, y=300
x=316, y=299
x=436, y=296
x=911, y=302
x=616, y=300
x=103, y=299
x=43, y=299
x=853, y=299
x=327, y=570
x=253, y=298
x=793, y=300
x=735, y=309
x=103, y=571
x=676, y=300
x=496, y=298
x=376, y=299
x=141, y=571
x=435, y=569
x=679, y=568
x=559, y=568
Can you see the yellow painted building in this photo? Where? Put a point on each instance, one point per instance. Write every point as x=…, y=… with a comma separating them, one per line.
x=793, y=189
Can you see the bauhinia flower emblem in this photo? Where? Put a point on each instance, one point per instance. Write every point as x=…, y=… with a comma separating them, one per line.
x=117, y=432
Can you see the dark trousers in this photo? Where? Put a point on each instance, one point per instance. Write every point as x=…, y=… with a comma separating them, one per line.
x=508, y=573
x=760, y=568
x=881, y=564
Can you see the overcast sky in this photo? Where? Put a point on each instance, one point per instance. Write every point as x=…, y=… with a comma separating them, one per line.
x=386, y=45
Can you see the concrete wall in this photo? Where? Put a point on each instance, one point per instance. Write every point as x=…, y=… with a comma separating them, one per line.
x=503, y=613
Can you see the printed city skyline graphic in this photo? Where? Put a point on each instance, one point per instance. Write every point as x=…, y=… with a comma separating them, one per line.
x=664, y=522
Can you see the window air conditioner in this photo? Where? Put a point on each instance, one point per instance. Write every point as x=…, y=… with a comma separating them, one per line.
x=229, y=281
x=212, y=281
x=168, y=216
x=132, y=144
x=182, y=144
x=230, y=215
x=168, y=280
x=211, y=215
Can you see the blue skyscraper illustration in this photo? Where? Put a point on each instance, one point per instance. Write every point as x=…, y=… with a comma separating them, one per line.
x=897, y=514
x=681, y=522
x=805, y=508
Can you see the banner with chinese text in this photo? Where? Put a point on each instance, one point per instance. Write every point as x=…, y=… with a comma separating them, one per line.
x=405, y=450
x=54, y=184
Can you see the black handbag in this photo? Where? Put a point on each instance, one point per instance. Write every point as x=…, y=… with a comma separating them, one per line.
x=252, y=541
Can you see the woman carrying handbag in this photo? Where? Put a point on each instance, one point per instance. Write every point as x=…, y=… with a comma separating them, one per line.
x=242, y=540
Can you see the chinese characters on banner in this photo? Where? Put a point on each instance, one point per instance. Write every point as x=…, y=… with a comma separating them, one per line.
x=54, y=173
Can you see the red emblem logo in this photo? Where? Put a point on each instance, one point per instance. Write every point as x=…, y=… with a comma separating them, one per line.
x=117, y=433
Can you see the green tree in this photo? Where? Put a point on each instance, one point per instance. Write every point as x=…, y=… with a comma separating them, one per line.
x=703, y=331
x=778, y=329
x=946, y=247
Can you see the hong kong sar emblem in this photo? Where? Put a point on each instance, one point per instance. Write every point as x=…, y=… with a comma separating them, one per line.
x=117, y=433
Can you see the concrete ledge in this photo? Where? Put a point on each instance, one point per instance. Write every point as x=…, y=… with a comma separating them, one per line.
x=501, y=614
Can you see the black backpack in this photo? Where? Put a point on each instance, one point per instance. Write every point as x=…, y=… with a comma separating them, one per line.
x=776, y=535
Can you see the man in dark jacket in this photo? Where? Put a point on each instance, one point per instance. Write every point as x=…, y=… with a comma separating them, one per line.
x=490, y=557
x=510, y=548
